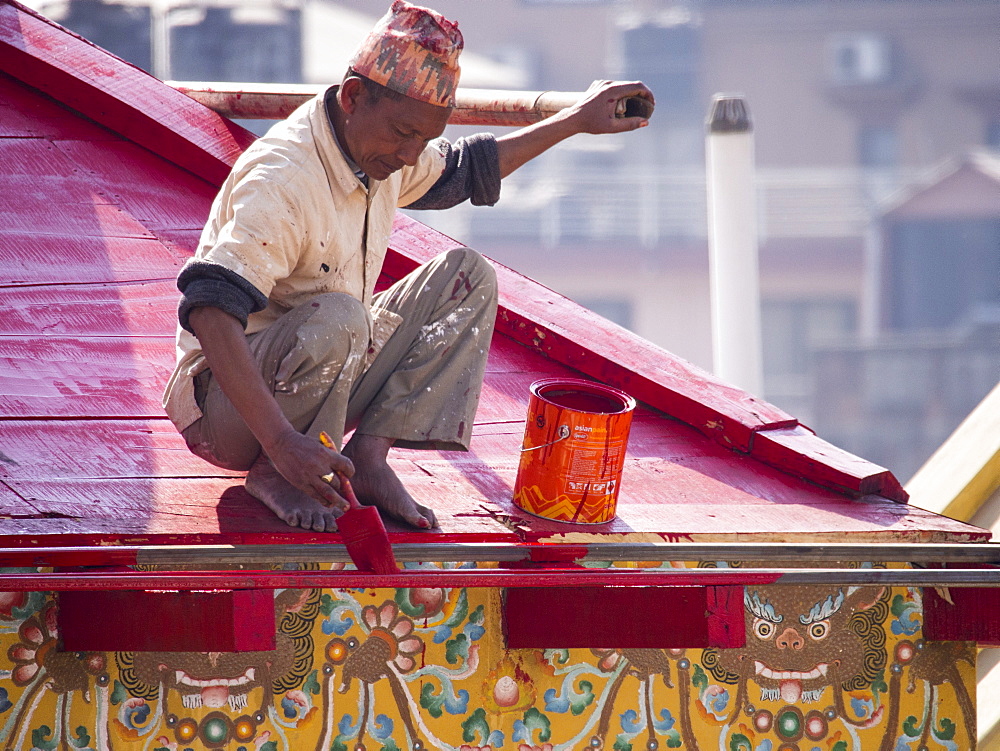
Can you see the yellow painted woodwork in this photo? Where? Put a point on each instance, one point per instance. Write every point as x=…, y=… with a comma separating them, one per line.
x=827, y=668
x=965, y=471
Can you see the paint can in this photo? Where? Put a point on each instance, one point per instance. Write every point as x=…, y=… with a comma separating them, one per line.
x=573, y=451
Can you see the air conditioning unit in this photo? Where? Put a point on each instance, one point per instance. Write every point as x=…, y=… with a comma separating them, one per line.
x=859, y=59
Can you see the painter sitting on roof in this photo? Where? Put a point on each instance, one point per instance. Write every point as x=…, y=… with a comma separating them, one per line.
x=281, y=336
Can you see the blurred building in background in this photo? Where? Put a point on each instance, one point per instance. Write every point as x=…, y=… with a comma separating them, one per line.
x=876, y=124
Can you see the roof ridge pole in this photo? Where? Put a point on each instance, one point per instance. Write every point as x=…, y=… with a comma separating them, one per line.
x=732, y=236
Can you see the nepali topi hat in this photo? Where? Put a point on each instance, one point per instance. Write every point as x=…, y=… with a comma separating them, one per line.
x=413, y=51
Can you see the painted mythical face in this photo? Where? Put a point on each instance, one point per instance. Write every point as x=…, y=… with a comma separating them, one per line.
x=226, y=679
x=799, y=640
x=214, y=679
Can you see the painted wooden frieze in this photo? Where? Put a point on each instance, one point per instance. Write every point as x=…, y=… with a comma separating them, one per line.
x=823, y=669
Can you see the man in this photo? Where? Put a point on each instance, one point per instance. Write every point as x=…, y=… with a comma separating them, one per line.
x=281, y=336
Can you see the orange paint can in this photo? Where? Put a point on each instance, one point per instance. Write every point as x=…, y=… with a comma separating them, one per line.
x=573, y=451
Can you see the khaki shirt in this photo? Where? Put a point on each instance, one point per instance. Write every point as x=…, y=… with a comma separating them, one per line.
x=295, y=221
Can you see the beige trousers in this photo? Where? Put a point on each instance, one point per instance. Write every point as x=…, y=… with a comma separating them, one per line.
x=421, y=389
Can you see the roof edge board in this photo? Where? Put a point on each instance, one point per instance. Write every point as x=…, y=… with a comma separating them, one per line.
x=117, y=95
x=799, y=451
x=980, y=160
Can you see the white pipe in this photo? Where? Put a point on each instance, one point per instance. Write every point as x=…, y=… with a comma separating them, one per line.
x=732, y=235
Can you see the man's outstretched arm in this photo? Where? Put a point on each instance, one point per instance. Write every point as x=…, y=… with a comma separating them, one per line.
x=596, y=112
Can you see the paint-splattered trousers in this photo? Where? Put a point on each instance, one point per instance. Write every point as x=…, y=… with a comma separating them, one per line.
x=323, y=363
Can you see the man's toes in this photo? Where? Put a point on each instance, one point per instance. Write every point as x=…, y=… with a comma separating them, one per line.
x=319, y=519
x=324, y=521
x=418, y=516
x=312, y=519
x=428, y=514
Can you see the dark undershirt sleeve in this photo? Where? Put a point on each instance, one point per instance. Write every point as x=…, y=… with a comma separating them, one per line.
x=472, y=171
x=210, y=285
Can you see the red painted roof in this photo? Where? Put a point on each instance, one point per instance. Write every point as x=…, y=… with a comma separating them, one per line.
x=108, y=176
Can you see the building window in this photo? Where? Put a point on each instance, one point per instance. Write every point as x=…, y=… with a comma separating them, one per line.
x=859, y=59
x=993, y=134
x=793, y=329
x=878, y=146
x=942, y=273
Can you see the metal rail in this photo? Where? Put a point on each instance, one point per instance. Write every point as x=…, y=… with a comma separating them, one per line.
x=228, y=555
x=262, y=101
x=544, y=577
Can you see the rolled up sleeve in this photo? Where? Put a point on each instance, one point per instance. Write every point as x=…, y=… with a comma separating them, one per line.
x=471, y=172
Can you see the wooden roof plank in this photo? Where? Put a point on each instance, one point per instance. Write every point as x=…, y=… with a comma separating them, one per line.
x=36, y=158
x=89, y=310
x=220, y=506
x=78, y=377
x=205, y=506
x=95, y=219
x=90, y=449
x=64, y=257
x=157, y=194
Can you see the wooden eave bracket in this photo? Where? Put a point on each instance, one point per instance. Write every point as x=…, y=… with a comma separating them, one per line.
x=963, y=613
x=240, y=620
x=672, y=618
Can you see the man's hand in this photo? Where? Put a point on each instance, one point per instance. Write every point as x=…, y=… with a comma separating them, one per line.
x=597, y=112
x=304, y=461
x=603, y=106
x=301, y=460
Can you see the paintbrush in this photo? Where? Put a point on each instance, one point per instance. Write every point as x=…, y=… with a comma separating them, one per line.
x=361, y=527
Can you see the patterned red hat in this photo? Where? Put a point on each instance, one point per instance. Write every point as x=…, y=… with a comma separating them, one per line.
x=413, y=51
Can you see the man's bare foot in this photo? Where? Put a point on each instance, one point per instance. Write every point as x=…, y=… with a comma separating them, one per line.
x=375, y=483
x=288, y=503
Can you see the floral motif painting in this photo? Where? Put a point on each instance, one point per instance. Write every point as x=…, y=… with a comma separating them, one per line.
x=823, y=669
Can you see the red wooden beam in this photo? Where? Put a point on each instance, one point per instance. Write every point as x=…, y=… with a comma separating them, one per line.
x=549, y=577
x=671, y=617
x=120, y=620
x=963, y=614
x=801, y=452
x=117, y=95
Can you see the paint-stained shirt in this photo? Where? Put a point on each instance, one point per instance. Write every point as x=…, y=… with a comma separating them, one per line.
x=294, y=220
